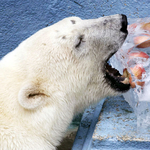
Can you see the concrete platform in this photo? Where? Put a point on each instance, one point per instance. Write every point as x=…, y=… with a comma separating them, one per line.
x=116, y=128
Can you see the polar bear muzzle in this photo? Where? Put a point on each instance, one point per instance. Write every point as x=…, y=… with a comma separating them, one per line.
x=113, y=77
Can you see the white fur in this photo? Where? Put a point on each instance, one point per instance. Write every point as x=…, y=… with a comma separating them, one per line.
x=46, y=80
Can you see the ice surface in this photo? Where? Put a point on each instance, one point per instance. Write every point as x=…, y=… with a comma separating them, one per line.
x=131, y=56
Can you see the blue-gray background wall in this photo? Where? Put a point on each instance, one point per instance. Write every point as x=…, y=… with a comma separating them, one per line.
x=21, y=18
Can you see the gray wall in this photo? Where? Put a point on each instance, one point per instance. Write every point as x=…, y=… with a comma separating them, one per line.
x=21, y=18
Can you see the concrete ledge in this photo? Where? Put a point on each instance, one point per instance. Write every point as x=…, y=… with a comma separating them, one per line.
x=116, y=128
x=90, y=117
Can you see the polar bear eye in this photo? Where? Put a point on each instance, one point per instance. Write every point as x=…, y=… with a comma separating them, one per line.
x=80, y=40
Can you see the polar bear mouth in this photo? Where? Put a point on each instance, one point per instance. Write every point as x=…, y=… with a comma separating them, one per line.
x=115, y=79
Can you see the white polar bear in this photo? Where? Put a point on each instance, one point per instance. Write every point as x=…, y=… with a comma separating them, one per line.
x=52, y=75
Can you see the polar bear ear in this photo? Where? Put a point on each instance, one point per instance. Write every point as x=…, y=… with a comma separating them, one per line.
x=30, y=96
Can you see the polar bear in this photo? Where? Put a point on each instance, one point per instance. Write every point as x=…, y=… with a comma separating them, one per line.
x=54, y=74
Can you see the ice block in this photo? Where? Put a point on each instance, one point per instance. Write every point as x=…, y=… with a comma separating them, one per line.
x=134, y=56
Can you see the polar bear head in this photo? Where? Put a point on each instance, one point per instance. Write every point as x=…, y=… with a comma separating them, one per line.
x=72, y=55
x=56, y=72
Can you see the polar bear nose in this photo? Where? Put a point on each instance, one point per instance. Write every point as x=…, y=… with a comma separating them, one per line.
x=124, y=24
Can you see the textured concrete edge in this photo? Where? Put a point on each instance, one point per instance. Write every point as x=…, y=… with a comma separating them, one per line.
x=83, y=138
